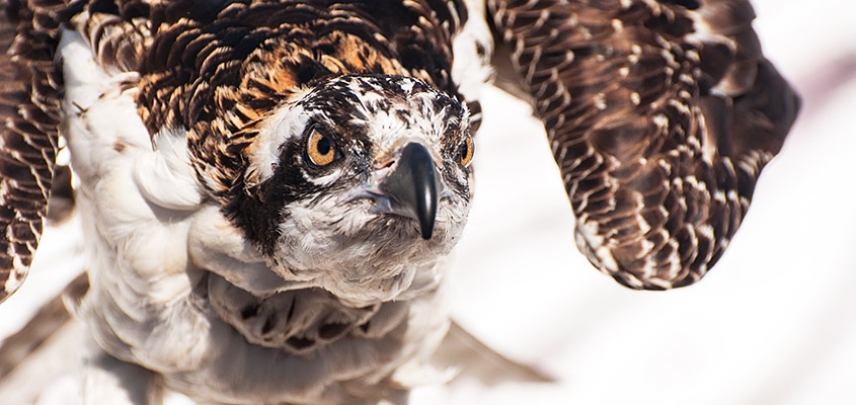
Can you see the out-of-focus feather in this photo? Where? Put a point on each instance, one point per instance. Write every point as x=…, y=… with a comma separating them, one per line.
x=660, y=115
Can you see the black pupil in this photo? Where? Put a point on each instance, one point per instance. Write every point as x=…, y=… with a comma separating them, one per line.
x=324, y=145
x=465, y=151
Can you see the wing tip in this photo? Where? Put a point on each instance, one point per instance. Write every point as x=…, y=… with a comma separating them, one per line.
x=12, y=280
x=631, y=280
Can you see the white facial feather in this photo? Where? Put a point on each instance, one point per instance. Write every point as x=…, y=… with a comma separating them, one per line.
x=284, y=123
x=350, y=249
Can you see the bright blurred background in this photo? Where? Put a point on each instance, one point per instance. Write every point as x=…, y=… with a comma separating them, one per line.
x=773, y=323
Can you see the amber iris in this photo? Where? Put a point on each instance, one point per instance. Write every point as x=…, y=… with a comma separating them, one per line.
x=467, y=151
x=320, y=149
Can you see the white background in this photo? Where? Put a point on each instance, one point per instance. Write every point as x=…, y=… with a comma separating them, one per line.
x=773, y=323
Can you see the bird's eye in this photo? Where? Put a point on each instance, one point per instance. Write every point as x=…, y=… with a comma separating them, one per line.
x=466, y=151
x=320, y=149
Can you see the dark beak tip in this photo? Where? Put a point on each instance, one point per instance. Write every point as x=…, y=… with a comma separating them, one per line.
x=413, y=187
x=427, y=231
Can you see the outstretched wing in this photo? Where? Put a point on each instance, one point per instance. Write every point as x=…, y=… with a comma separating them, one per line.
x=660, y=114
x=29, y=115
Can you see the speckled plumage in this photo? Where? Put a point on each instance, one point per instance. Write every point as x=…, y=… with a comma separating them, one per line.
x=660, y=114
x=233, y=266
x=29, y=109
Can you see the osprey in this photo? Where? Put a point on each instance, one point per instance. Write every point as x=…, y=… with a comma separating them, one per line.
x=270, y=188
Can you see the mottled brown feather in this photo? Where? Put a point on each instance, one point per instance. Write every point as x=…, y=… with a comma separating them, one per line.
x=29, y=115
x=660, y=115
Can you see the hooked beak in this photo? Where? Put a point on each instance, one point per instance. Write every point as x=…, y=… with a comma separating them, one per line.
x=412, y=187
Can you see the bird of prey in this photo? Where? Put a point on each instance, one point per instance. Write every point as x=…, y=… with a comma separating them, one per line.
x=270, y=188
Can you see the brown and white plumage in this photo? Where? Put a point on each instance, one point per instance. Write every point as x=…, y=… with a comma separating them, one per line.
x=29, y=109
x=660, y=115
x=244, y=173
x=228, y=262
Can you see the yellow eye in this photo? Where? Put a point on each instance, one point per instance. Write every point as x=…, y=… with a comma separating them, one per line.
x=466, y=151
x=320, y=149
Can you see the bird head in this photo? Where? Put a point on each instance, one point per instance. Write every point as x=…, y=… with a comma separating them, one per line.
x=356, y=183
